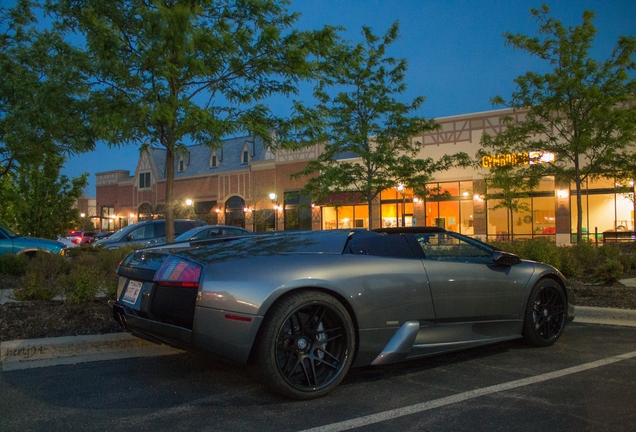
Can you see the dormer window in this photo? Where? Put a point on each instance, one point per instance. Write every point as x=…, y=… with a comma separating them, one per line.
x=184, y=161
x=246, y=157
x=214, y=160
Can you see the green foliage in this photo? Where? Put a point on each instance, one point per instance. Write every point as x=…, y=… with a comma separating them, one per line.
x=608, y=272
x=43, y=93
x=84, y=280
x=13, y=264
x=42, y=200
x=87, y=273
x=364, y=120
x=581, y=110
x=605, y=264
x=169, y=72
x=43, y=278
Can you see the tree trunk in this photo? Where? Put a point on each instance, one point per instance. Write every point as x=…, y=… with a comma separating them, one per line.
x=169, y=207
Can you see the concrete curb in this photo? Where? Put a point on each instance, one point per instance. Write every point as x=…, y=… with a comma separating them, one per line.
x=608, y=316
x=33, y=353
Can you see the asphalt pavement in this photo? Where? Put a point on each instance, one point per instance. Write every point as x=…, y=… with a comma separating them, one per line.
x=33, y=353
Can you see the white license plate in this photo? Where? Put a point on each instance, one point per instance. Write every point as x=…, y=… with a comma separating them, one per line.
x=132, y=292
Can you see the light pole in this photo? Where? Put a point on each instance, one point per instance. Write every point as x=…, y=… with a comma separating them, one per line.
x=272, y=197
x=400, y=187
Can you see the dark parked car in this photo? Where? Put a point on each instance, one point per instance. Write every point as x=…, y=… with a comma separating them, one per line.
x=203, y=235
x=12, y=243
x=302, y=307
x=102, y=235
x=80, y=237
x=146, y=233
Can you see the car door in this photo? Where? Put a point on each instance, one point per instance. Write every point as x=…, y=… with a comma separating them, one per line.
x=466, y=284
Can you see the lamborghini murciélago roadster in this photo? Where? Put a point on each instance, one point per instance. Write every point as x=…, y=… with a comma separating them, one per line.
x=301, y=308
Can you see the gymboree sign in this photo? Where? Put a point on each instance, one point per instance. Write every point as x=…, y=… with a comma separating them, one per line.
x=523, y=158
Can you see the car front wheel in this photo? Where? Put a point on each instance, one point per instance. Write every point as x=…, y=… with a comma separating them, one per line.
x=305, y=346
x=545, y=314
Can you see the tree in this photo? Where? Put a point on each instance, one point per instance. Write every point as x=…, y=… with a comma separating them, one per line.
x=170, y=72
x=582, y=111
x=44, y=107
x=42, y=200
x=367, y=133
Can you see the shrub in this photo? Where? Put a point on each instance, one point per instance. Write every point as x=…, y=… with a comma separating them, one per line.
x=609, y=271
x=43, y=276
x=84, y=280
x=12, y=264
x=586, y=254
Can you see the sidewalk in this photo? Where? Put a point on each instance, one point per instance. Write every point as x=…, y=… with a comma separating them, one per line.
x=32, y=353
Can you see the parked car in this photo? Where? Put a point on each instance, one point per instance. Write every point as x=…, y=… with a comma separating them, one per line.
x=10, y=242
x=146, y=233
x=102, y=235
x=80, y=237
x=202, y=235
x=302, y=307
x=66, y=242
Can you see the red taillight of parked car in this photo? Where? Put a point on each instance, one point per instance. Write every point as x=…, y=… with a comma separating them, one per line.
x=178, y=272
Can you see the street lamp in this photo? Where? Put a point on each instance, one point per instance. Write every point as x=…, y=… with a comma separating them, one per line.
x=188, y=203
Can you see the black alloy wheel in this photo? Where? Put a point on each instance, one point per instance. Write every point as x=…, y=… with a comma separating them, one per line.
x=306, y=345
x=545, y=314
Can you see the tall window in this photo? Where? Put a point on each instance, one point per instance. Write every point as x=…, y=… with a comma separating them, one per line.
x=144, y=180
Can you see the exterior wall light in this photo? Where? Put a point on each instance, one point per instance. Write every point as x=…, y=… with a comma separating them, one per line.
x=563, y=193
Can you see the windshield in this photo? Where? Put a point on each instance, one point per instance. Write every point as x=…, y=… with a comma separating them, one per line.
x=186, y=235
x=122, y=233
x=8, y=232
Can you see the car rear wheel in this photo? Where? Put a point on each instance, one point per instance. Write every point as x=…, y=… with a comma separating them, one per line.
x=305, y=346
x=545, y=314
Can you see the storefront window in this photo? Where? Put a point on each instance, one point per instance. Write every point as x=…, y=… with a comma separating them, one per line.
x=497, y=222
x=522, y=221
x=345, y=217
x=546, y=184
x=466, y=212
x=432, y=213
x=448, y=215
x=543, y=218
x=452, y=188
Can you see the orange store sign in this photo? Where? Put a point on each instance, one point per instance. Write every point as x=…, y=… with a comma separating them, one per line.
x=523, y=158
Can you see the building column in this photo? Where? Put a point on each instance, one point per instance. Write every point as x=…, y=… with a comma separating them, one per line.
x=480, y=216
x=563, y=213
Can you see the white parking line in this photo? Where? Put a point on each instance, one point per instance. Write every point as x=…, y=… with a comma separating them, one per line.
x=425, y=406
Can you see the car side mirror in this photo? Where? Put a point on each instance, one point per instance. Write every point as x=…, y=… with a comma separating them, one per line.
x=505, y=258
x=129, y=237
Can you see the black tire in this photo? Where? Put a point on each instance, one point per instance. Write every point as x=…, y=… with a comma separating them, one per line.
x=545, y=314
x=305, y=345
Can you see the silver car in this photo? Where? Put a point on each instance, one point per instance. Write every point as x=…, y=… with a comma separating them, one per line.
x=301, y=308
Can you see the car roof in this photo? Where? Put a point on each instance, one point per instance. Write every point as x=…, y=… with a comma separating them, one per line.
x=410, y=230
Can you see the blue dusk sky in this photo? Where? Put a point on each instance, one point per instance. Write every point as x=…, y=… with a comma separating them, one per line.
x=457, y=58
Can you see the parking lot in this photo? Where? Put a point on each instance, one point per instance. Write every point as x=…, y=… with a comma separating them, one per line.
x=587, y=381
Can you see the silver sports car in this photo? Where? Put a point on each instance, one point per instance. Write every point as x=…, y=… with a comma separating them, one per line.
x=301, y=308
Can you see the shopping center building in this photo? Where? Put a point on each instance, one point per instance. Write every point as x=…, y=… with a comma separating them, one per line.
x=244, y=184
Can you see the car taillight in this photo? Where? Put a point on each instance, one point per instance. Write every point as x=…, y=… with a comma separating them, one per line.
x=177, y=272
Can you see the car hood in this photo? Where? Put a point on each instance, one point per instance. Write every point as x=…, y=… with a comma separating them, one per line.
x=37, y=242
